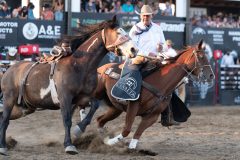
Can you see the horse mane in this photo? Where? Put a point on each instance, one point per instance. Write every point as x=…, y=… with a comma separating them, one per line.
x=86, y=31
x=179, y=53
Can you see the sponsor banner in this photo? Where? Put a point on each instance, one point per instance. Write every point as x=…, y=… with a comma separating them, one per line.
x=173, y=27
x=225, y=39
x=8, y=32
x=44, y=33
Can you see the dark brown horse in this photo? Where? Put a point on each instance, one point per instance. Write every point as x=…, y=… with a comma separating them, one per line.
x=71, y=80
x=192, y=63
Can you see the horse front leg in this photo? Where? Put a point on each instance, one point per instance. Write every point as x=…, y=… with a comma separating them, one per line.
x=66, y=110
x=8, y=104
x=81, y=126
x=132, y=111
x=146, y=122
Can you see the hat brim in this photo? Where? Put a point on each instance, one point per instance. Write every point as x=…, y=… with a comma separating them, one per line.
x=12, y=52
x=146, y=13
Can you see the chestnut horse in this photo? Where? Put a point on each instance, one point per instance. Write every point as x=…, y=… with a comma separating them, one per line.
x=191, y=62
x=70, y=82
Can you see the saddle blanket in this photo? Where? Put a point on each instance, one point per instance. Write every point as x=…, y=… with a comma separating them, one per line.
x=129, y=85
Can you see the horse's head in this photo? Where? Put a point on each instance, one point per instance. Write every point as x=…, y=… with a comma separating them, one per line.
x=118, y=41
x=197, y=64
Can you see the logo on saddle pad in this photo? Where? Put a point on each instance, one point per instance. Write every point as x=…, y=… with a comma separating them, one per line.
x=128, y=86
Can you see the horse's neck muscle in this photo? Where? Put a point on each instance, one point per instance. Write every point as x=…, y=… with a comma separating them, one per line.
x=92, y=51
x=167, y=78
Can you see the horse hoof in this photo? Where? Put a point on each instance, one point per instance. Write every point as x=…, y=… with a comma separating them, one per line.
x=110, y=141
x=106, y=141
x=77, y=131
x=71, y=150
x=3, y=151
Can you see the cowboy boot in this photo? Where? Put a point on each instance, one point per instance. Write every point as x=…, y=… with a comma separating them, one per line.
x=167, y=118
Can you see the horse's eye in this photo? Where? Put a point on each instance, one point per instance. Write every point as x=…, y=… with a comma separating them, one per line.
x=201, y=55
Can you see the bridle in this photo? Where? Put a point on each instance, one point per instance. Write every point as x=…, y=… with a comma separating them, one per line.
x=200, y=77
x=120, y=40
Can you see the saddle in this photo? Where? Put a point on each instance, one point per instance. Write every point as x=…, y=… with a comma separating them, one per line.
x=56, y=53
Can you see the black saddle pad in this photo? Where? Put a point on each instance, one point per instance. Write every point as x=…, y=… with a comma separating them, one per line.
x=129, y=85
x=180, y=111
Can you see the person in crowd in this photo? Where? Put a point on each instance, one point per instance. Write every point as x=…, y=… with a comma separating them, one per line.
x=99, y=6
x=58, y=10
x=16, y=11
x=30, y=8
x=138, y=6
x=12, y=55
x=168, y=9
x=117, y=7
x=23, y=13
x=227, y=59
x=5, y=11
x=155, y=8
x=90, y=6
x=168, y=46
x=128, y=7
x=234, y=55
x=47, y=13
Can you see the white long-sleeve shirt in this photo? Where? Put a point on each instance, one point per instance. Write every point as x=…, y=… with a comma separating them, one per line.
x=147, y=41
x=227, y=60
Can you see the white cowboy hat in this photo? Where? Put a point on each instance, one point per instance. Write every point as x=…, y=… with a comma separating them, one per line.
x=146, y=10
x=12, y=51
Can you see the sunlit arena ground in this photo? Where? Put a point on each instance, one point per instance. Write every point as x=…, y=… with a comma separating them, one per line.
x=211, y=133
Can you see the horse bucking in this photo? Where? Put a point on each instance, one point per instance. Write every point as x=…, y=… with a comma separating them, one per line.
x=65, y=84
x=153, y=100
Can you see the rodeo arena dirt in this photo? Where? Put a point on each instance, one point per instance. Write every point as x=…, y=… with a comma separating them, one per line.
x=211, y=133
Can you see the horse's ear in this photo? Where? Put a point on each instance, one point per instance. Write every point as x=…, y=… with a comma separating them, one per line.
x=200, y=44
x=114, y=18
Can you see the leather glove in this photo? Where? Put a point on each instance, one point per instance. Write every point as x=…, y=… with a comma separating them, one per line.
x=138, y=60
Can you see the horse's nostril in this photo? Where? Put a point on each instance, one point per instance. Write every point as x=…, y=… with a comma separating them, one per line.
x=211, y=76
x=133, y=50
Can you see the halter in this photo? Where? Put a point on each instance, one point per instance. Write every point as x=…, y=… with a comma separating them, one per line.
x=120, y=40
x=200, y=78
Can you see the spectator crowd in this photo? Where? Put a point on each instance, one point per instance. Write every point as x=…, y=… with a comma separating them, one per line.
x=219, y=20
x=123, y=6
x=48, y=12
x=55, y=11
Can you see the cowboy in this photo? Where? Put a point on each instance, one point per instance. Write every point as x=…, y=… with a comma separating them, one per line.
x=149, y=38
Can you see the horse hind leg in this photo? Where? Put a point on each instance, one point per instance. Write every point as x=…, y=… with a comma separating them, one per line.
x=111, y=114
x=81, y=126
